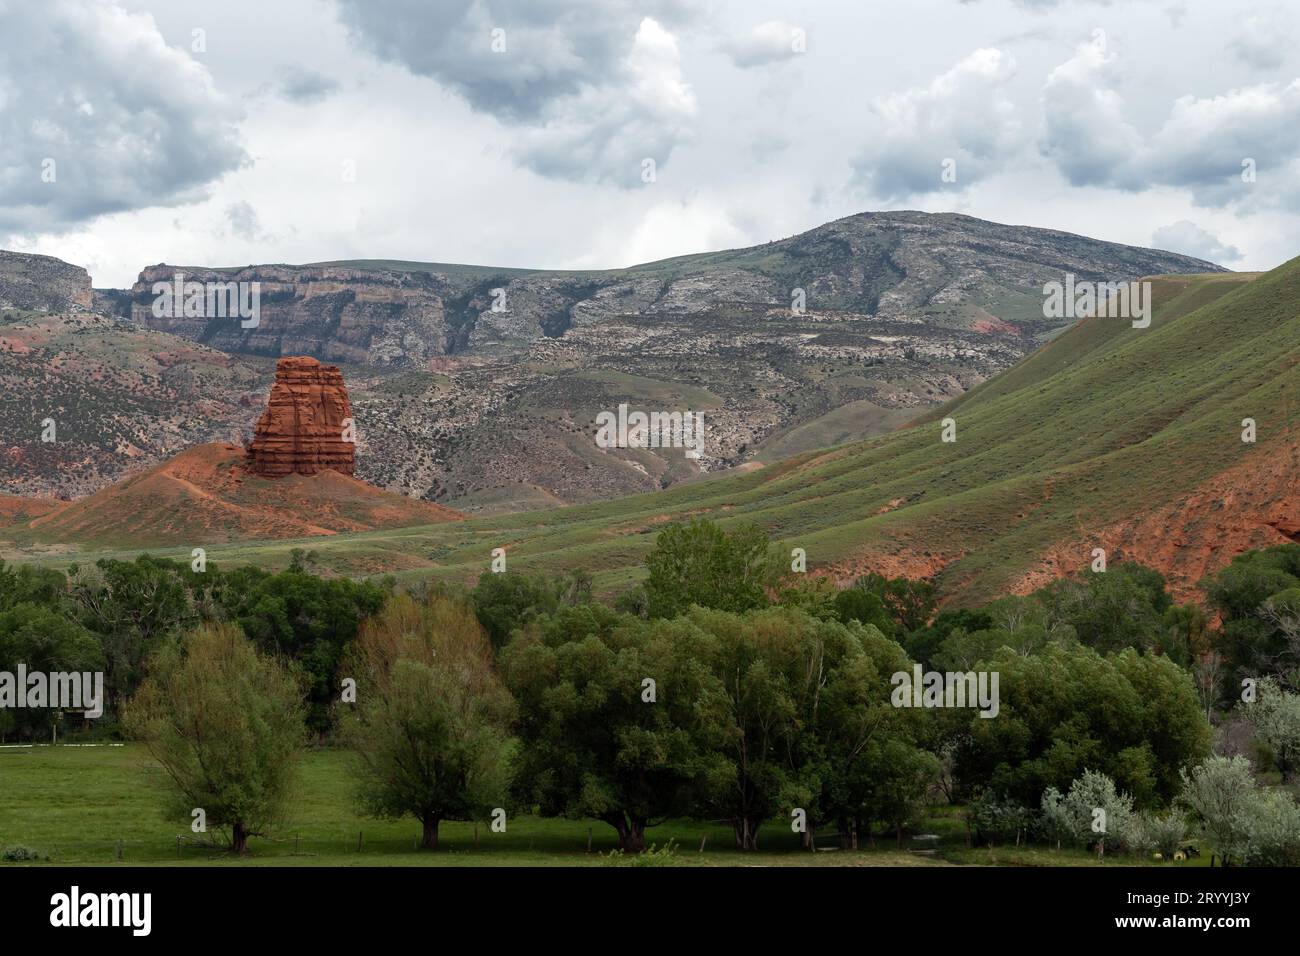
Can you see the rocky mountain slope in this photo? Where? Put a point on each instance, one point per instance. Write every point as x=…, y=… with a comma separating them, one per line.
x=1129, y=440
x=919, y=267
x=31, y=283
x=479, y=387
x=85, y=399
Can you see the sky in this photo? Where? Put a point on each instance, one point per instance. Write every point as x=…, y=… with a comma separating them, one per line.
x=602, y=133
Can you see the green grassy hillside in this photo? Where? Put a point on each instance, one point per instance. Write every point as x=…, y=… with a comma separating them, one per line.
x=1103, y=426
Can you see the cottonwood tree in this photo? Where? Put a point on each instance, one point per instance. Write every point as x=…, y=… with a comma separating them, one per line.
x=1134, y=717
x=618, y=719
x=1257, y=596
x=226, y=724
x=699, y=563
x=310, y=620
x=431, y=723
x=132, y=606
x=808, y=722
x=855, y=753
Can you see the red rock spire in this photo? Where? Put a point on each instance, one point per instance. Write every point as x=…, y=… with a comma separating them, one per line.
x=302, y=430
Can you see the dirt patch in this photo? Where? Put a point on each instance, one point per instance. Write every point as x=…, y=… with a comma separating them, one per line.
x=1255, y=504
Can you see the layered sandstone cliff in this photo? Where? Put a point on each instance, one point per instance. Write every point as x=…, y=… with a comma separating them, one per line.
x=306, y=428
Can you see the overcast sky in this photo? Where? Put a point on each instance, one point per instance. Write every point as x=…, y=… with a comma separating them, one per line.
x=232, y=132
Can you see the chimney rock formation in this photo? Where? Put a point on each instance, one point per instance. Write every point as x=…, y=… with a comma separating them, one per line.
x=302, y=430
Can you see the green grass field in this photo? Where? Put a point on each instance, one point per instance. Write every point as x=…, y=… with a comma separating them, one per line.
x=74, y=804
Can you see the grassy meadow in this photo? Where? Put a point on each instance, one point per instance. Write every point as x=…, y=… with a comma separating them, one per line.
x=73, y=804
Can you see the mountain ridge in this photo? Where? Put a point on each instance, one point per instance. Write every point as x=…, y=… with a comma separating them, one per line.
x=489, y=411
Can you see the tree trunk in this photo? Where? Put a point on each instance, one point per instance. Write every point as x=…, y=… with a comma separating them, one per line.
x=746, y=833
x=845, y=830
x=239, y=839
x=430, y=822
x=631, y=839
x=631, y=832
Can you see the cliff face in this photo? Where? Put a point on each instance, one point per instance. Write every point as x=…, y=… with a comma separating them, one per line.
x=373, y=317
x=42, y=284
x=304, y=428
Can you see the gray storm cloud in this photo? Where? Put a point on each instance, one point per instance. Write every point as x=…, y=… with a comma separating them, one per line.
x=125, y=122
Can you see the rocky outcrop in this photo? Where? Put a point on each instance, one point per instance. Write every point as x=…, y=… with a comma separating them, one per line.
x=375, y=317
x=306, y=428
x=42, y=284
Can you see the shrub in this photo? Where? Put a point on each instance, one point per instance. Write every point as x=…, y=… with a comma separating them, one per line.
x=1270, y=823
x=998, y=819
x=1054, y=823
x=665, y=855
x=20, y=854
x=1097, y=813
x=1163, y=834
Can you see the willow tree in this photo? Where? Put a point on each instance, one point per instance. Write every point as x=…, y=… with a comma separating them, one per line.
x=226, y=725
x=431, y=722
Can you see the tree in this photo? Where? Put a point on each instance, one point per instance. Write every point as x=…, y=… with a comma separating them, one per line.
x=903, y=775
x=997, y=817
x=1257, y=598
x=865, y=607
x=807, y=722
x=857, y=754
x=923, y=643
x=32, y=584
x=44, y=641
x=1099, y=814
x=507, y=601
x=308, y=619
x=132, y=606
x=1270, y=821
x=1135, y=718
x=226, y=725
x=910, y=603
x=618, y=719
x=1055, y=821
x=699, y=563
x=1162, y=833
x=1216, y=793
x=1275, y=715
x=432, y=719
x=1111, y=610
x=1185, y=637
